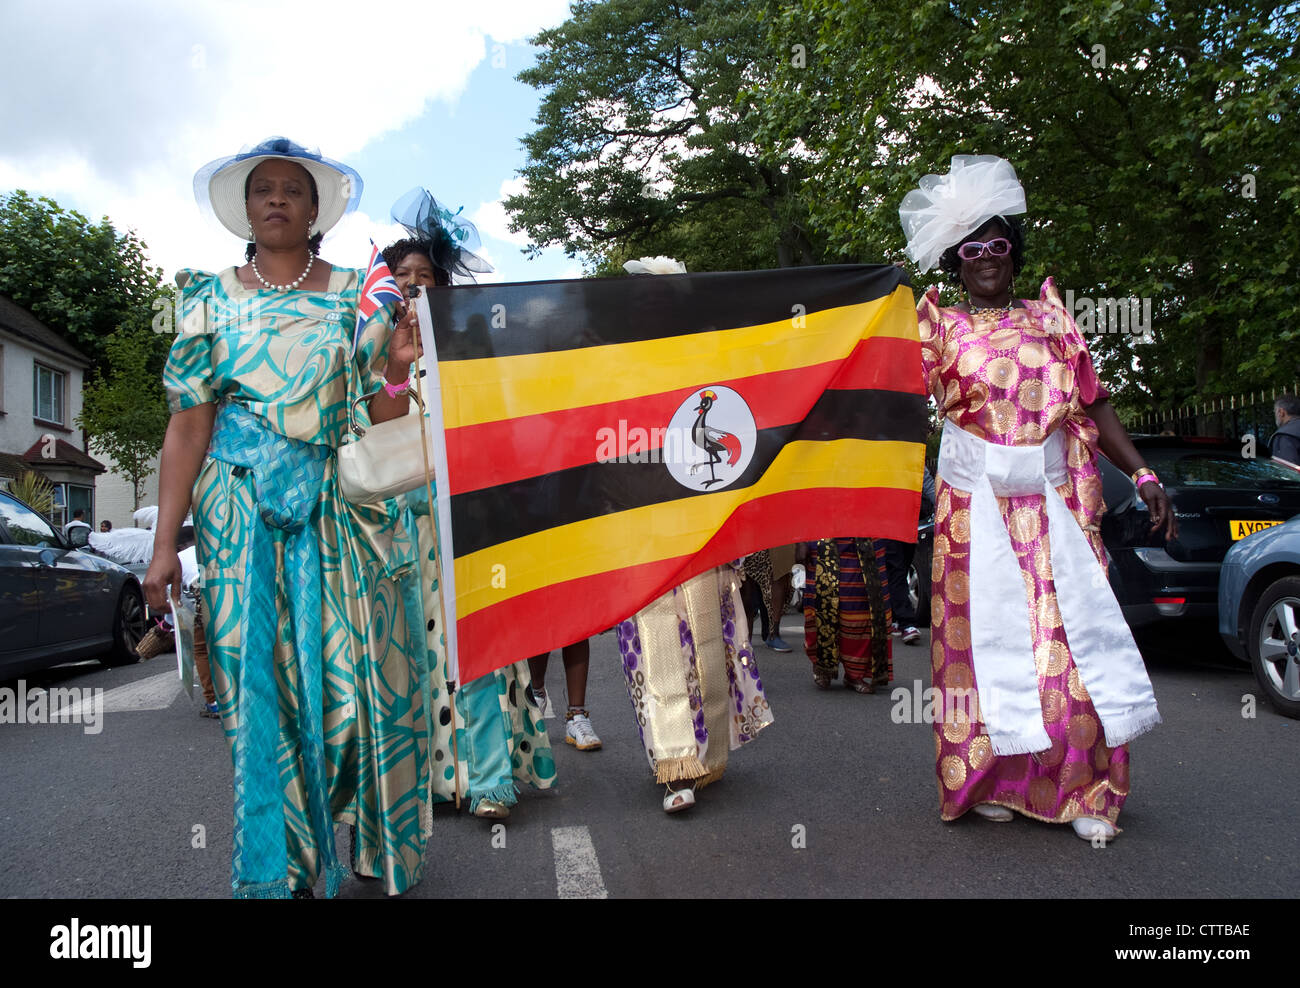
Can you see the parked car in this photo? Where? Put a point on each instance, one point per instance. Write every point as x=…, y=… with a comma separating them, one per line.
x=918, y=573
x=1259, y=610
x=58, y=602
x=1219, y=498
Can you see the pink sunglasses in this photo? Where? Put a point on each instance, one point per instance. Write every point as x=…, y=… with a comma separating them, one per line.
x=998, y=247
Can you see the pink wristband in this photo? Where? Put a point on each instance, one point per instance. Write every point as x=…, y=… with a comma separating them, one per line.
x=393, y=390
x=1150, y=477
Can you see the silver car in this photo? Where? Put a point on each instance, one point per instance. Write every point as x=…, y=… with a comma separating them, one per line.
x=59, y=603
x=1259, y=610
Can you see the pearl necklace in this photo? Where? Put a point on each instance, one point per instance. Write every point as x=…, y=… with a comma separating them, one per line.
x=311, y=258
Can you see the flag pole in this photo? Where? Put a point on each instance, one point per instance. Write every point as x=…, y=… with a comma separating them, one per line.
x=437, y=560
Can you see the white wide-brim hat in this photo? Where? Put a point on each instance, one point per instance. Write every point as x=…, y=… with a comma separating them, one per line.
x=219, y=185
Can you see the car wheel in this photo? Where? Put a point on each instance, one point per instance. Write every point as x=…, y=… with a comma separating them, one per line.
x=918, y=587
x=128, y=628
x=1274, y=645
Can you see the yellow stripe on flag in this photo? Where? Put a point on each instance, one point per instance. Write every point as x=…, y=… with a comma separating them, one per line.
x=548, y=382
x=673, y=528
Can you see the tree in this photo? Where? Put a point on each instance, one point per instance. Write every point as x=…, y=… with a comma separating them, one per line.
x=82, y=280
x=125, y=410
x=642, y=145
x=1155, y=140
x=95, y=286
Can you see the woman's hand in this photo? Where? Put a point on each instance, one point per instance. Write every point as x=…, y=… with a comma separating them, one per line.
x=405, y=342
x=164, y=569
x=1162, y=511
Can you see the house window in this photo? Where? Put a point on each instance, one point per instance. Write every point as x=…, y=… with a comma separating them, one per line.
x=47, y=400
x=59, y=515
x=81, y=497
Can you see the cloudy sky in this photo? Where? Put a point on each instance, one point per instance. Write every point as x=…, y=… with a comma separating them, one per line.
x=112, y=106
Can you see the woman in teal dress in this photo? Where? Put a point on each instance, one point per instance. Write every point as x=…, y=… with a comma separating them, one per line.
x=317, y=674
x=500, y=738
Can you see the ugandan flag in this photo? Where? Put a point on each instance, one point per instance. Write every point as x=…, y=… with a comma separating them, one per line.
x=606, y=439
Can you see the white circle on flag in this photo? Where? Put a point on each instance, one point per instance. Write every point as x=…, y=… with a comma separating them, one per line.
x=710, y=439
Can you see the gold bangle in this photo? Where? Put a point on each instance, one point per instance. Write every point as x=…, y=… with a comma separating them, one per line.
x=1141, y=472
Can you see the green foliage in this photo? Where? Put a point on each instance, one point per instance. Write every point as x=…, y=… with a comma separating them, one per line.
x=35, y=491
x=643, y=146
x=82, y=280
x=1136, y=157
x=125, y=410
x=95, y=287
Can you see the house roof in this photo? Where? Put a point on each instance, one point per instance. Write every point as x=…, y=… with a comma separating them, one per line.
x=17, y=320
x=65, y=455
x=12, y=465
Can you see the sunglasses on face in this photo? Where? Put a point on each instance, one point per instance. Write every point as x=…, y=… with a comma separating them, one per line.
x=972, y=249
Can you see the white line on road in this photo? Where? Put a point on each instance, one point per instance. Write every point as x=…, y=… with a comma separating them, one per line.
x=155, y=693
x=577, y=872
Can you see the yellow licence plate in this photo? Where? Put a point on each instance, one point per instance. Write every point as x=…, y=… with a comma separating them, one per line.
x=1240, y=529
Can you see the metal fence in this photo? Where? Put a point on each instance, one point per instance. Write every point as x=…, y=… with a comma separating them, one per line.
x=1228, y=418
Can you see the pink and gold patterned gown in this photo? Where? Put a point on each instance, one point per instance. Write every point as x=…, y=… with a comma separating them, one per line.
x=1016, y=380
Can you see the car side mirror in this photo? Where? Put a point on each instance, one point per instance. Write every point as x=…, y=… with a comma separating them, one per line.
x=79, y=537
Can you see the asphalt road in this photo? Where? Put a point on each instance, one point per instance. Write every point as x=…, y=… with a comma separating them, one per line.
x=1215, y=797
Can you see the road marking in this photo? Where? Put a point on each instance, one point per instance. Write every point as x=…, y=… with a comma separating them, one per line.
x=577, y=871
x=154, y=693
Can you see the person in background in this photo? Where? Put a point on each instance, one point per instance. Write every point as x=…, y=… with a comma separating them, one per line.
x=846, y=613
x=1285, y=444
x=765, y=590
x=499, y=739
x=78, y=521
x=691, y=675
x=898, y=560
x=577, y=719
x=105, y=525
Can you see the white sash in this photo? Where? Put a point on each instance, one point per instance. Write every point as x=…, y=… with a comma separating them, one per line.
x=1002, y=648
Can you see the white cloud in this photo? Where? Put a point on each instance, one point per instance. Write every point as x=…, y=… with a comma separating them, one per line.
x=113, y=107
x=492, y=219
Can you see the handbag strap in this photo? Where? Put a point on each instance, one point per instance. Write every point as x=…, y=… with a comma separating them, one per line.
x=360, y=430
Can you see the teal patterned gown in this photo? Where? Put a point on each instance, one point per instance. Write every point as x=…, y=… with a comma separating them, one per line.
x=288, y=359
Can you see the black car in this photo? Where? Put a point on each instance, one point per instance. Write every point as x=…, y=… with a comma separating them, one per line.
x=1219, y=497
x=59, y=603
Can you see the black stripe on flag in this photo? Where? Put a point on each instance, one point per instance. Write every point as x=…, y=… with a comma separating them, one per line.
x=488, y=517
x=481, y=321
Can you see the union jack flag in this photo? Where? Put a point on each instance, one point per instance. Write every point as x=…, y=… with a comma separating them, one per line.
x=378, y=290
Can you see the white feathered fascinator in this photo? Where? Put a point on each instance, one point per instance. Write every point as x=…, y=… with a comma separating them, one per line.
x=654, y=265
x=945, y=209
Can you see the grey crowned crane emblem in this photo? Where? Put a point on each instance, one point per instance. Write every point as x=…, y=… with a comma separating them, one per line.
x=714, y=442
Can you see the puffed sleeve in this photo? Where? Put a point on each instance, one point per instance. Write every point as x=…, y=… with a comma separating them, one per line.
x=1074, y=348
x=930, y=324
x=188, y=374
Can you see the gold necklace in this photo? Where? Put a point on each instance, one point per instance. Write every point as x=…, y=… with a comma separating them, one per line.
x=992, y=312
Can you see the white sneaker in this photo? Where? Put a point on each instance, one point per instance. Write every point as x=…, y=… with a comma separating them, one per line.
x=1091, y=828
x=578, y=733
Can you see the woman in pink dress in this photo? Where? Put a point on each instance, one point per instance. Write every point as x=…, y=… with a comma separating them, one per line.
x=1039, y=685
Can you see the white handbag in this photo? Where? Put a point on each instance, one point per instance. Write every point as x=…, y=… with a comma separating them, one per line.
x=384, y=460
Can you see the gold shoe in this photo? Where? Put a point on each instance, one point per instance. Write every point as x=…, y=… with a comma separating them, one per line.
x=490, y=809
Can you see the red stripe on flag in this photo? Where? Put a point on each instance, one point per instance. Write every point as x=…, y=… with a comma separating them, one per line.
x=572, y=610
x=882, y=363
x=493, y=453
